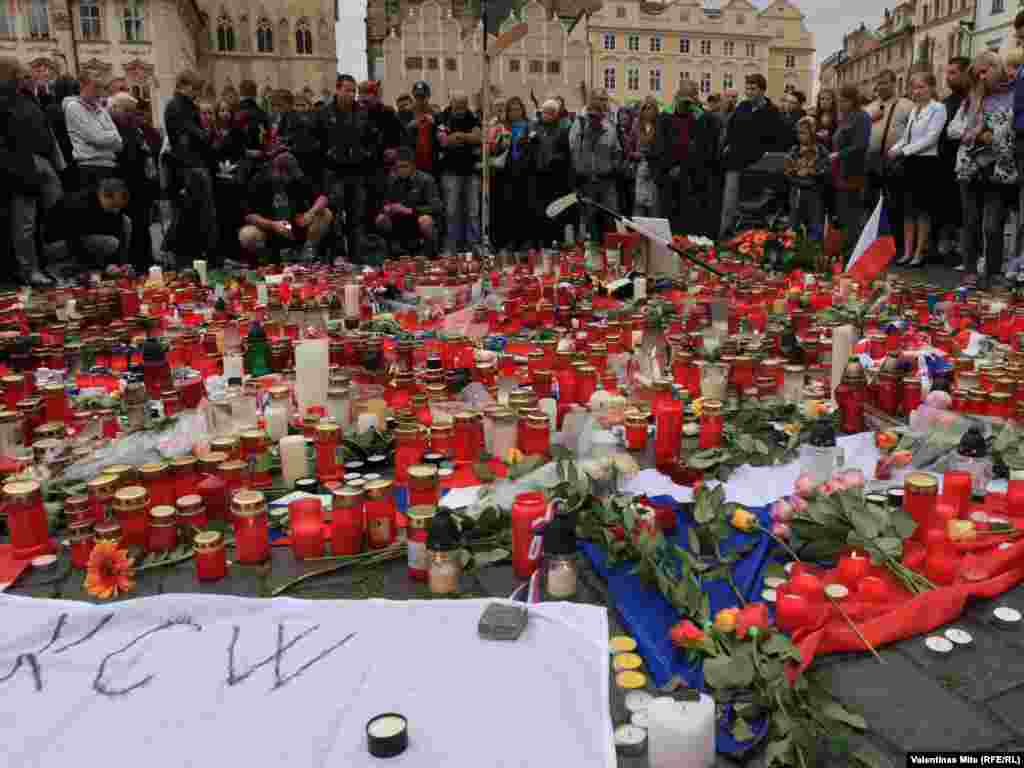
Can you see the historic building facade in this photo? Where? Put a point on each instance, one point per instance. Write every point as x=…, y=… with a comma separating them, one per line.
x=148, y=42
x=434, y=45
x=993, y=25
x=643, y=48
x=942, y=31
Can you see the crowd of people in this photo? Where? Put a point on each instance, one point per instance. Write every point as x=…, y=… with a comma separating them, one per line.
x=354, y=177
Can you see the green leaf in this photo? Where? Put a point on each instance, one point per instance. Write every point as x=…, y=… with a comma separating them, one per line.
x=890, y=545
x=833, y=710
x=779, y=645
x=902, y=523
x=707, y=459
x=870, y=520
x=484, y=473
x=693, y=540
x=741, y=730
x=870, y=759
x=822, y=549
x=489, y=557
x=572, y=476
x=780, y=752
x=729, y=671
x=525, y=467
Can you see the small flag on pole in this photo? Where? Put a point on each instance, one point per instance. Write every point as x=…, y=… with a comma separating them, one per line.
x=875, y=249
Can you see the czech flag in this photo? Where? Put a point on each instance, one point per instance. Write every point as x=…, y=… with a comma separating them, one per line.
x=875, y=249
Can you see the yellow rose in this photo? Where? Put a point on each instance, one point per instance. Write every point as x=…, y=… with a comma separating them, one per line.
x=725, y=620
x=698, y=406
x=514, y=456
x=791, y=429
x=743, y=520
x=961, y=530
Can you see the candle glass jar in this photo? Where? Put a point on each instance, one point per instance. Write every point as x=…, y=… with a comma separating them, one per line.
x=793, y=383
x=276, y=415
x=560, y=576
x=348, y=525
x=211, y=556
x=191, y=515
x=159, y=484
x=234, y=476
x=442, y=439
x=418, y=557
x=445, y=572
x=108, y=530
x=328, y=436
x=131, y=505
x=27, y=523
x=81, y=541
x=305, y=517
x=535, y=437
x=712, y=424
x=101, y=496
x=586, y=383
x=252, y=532
x=423, y=489
x=410, y=445
x=339, y=405
x=920, y=491
x=229, y=445
x=12, y=433
x=380, y=514
x=257, y=454
x=636, y=431
x=466, y=442
x=668, y=418
x=163, y=530
x=78, y=509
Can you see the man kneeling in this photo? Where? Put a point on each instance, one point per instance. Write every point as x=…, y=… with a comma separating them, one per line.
x=93, y=230
x=410, y=204
x=284, y=211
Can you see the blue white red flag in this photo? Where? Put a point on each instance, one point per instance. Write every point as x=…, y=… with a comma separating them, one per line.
x=875, y=249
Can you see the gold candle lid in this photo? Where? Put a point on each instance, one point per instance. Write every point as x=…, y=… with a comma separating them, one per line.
x=55, y=429
x=162, y=515
x=102, y=485
x=420, y=516
x=711, y=406
x=21, y=490
x=7, y=417
x=279, y=392
x=441, y=428
x=327, y=432
x=119, y=470
x=537, y=420
x=464, y=416
x=636, y=418
x=423, y=471
x=236, y=465
x=189, y=504
x=224, y=444
x=107, y=530
x=149, y=471
x=130, y=497
x=254, y=436
x=347, y=496
x=184, y=462
x=207, y=540
x=922, y=482
x=378, y=489
x=210, y=462
x=248, y=503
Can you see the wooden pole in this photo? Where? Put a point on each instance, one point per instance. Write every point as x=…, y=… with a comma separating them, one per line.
x=485, y=112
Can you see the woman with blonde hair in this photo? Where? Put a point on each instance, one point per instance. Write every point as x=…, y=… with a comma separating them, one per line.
x=642, y=153
x=985, y=165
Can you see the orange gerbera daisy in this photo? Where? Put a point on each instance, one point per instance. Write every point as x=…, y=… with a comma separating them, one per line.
x=109, y=572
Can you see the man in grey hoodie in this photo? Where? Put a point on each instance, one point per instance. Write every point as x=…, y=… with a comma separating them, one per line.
x=95, y=139
x=596, y=158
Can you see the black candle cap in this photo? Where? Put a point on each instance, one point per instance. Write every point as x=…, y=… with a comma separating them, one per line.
x=973, y=444
x=560, y=536
x=384, y=736
x=306, y=484
x=443, y=535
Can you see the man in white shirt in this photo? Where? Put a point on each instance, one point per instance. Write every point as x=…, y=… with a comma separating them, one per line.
x=889, y=113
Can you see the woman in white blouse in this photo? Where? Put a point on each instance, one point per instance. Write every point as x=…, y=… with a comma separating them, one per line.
x=918, y=150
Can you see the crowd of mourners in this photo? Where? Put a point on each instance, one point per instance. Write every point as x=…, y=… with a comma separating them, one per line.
x=86, y=174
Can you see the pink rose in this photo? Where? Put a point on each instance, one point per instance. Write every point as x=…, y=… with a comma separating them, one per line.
x=853, y=478
x=805, y=485
x=939, y=400
x=798, y=503
x=782, y=512
x=838, y=483
x=827, y=489
x=780, y=531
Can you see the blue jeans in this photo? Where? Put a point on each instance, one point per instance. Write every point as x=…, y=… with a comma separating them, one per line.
x=807, y=210
x=462, y=210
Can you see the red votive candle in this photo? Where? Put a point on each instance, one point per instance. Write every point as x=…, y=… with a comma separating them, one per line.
x=853, y=566
x=191, y=515
x=636, y=431
x=327, y=437
x=211, y=556
x=81, y=542
x=381, y=515
x=535, y=435
x=101, y=496
x=159, y=483
x=131, y=505
x=252, y=535
x=423, y=489
x=956, y=491
x=348, y=525
x=185, y=475
x=466, y=443
x=306, y=520
x=712, y=424
x=419, y=525
x=526, y=508
x=257, y=454
x=163, y=529
x=919, y=495
x=792, y=611
x=668, y=419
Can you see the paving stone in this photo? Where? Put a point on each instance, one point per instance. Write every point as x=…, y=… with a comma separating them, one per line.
x=147, y=584
x=498, y=580
x=1009, y=707
x=910, y=710
x=241, y=580
x=982, y=609
x=986, y=668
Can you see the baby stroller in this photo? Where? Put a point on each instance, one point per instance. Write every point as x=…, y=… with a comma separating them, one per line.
x=764, y=193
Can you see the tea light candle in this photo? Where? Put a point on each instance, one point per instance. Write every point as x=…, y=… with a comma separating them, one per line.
x=306, y=516
x=627, y=661
x=630, y=680
x=630, y=740
x=853, y=566
x=938, y=645
x=681, y=733
x=873, y=588
x=956, y=490
x=958, y=636
x=638, y=701
x=622, y=644
x=387, y=735
x=1006, y=617
x=294, y=460
x=837, y=591
x=792, y=611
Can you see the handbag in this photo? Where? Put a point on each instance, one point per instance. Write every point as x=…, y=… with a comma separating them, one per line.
x=984, y=158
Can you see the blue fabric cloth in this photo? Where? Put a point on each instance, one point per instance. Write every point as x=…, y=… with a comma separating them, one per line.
x=519, y=130
x=649, y=616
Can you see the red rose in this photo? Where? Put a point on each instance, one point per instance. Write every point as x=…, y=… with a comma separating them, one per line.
x=686, y=634
x=753, y=615
x=619, y=533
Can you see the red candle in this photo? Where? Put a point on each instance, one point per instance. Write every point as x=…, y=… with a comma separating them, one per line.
x=920, y=491
x=873, y=589
x=211, y=557
x=82, y=541
x=423, y=485
x=254, y=448
x=853, y=566
x=252, y=535
x=191, y=515
x=410, y=445
x=163, y=530
x=131, y=505
x=101, y=496
x=526, y=508
x=327, y=437
x=348, y=524
x=712, y=425
x=668, y=416
x=940, y=564
x=466, y=444
x=636, y=431
x=792, y=611
x=535, y=435
x=807, y=585
x=233, y=477
x=184, y=471
x=159, y=484
x=956, y=491
x=381, y=514
x=306, y=519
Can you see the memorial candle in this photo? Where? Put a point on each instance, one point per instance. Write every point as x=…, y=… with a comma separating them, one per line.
x=636, y=431
x=294, y=459
x=327, y=439
x=920, y=490
x=163, y=531
x=668, y=415
x=101, y=495
x=348, y=524
x=249, y=513
x=380, y=514
x=26, y=520
x=306, y=520
x=211, y=557
x=956, y=490
x=853, y=566
x=130, y=507
x=81, y=542
x=418, y=557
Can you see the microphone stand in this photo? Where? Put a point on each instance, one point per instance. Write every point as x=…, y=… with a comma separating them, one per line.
x=651, y=236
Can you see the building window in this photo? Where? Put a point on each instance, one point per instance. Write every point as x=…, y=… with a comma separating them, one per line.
x=513, y=65
x=39, y=19
x=751, y=50
x=789, y=88
x=727, y=82
x=632, y=78
x=740, y=20
x=303, y=38
x=620, y=12
x=432, y=64
x=264, y=36
x=684, y=45
x=134, y=31
x=729, y=48
x=791, y=61
x=536, y=67
x=655, y=43
x=655, y=80
x=705, y=47
x=705, y=83
x=684, y=15
x=450, y=65
x=8, y=22
x=609, y=79
x=89, y=11
x=998, y=6
x=414, y=63
x=924, y=18
x=225, y=34
x=554, y=67
x=633, y=42
x=609, y=41
x=685, y=76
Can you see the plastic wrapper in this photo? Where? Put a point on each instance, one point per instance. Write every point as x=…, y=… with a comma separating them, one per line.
x=181, y=438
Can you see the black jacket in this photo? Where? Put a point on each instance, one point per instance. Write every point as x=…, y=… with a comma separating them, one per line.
x=133, y=157
x=418, y=192
x=387, y=125
x=17, y=167
x=349, y=139
x=189, y=143
x=949, y=147
x=260, y=199
x=412, y=131
x=253, y=122
x=751, y=133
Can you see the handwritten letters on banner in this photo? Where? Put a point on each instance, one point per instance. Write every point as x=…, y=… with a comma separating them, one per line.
x=183, y=680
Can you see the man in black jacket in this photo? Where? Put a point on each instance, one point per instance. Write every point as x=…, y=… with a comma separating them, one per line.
x=946, y=234
x=411, y=206
x=194, y=230
x=253, y=119
x=351, y=146
x=754, y=128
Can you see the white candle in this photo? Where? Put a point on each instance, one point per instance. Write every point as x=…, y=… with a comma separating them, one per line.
x=294, y=461
x=199, y=265
x=681, y=734
x=156, y=274
x=352, y=300
x=639, y=288
x=311, y=373
x=233, y=366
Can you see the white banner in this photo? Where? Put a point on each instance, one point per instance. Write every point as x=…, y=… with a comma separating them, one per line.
x=182, y=681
